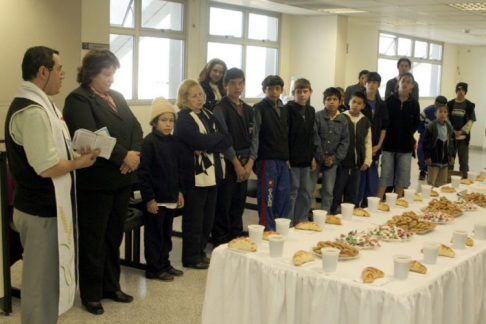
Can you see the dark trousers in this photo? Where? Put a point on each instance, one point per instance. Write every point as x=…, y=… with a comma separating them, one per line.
x=463, y=155
x=101, y=216
x=197, y=222
x=230, y=205
x=347, y=183
x=158, y=241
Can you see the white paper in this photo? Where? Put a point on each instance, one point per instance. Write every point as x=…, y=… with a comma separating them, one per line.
x=84, y=137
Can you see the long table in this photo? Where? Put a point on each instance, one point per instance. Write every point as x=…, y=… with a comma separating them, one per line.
x=255, y=288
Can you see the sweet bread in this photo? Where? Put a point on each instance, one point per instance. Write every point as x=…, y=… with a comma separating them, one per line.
x=402, y=202
x=369, y=274
x=331, y=219
x=446, y=251
x=447, y=189
x=469, y=241
x=417, y=197
x=434, y=193
x=301, y=257
x=480, y=178
x=308, y=226
x=416, y=266
x=383, y=206
x=242, y=243
x=466, y=181
x=268, y=233
x=361, y=212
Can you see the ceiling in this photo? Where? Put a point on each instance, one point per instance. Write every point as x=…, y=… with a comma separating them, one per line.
x=430, y=19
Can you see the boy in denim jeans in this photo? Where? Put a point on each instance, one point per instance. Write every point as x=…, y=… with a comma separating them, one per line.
x=332, y=128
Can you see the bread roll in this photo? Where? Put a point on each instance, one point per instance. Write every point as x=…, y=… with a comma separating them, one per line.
x=416, y=266
x=417, y=197
x=369, y=274
x=308, y=226
x=466, y=181
x=268, y=233
x=402, y=202
x=446, y=251
x=434, y=193
x=383, y=206
x=243, y=244
x=331, y=219
x=361, y=212
x=301, y=257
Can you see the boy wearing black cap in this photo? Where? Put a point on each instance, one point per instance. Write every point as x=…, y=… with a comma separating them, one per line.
x=462, y=116
x=426, y=117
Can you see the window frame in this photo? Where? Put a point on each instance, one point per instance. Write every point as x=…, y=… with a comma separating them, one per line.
x=245, y=41
x=412, y=57
x=138, y=31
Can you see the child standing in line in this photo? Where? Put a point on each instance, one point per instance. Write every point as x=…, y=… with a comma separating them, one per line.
x=358, y=157
x=270, y=152
x=301, y=151
x=160, y=182
x=332, y=128
x=439, y=147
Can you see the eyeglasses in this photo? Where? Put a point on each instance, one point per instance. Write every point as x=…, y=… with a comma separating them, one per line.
x=59, y=70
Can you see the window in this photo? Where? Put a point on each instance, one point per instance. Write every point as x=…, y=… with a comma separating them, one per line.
x=246, y=39
x=147, y=37
x=426, y=57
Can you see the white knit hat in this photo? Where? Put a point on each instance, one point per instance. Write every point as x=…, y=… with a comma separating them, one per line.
x=160, y=106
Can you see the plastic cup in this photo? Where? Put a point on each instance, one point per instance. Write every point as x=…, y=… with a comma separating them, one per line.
x=472, y=175
x=283, y=225
x=459, y=237
x=255, y=232
x=320, y=217
x=431, y=252
x=483, y=173
x=347, y=211
x=480, y=231
x=391, y=198
x=409, y=195
x=401, y=266
x=373, y=203
x=455, y=181
x=276, y=243
x=330, y=258
x=426, y=189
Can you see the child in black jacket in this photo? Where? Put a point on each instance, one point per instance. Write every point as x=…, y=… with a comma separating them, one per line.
x=160, y=181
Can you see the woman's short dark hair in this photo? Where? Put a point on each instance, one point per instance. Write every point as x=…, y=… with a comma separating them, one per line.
x=95, y=61
x=34, y=58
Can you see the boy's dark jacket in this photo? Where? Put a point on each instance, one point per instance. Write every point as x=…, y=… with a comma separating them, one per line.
x=357, y=143
x=436, y=152
x=160, y=173
x=379, y=122
x=301, y=134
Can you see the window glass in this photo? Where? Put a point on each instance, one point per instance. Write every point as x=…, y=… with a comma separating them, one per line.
x=161, y=15
x=428, y=77
x=387, y=69
x=122, y=47
x=231, y=54
x=387, y=44
x=263, y=27
x=225, y=22
x=404, y=47
x=121, y=13
x=435, y=51
x=260, y=62
x=420, y=49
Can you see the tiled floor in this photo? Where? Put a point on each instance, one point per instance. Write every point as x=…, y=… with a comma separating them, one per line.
x=180, y=301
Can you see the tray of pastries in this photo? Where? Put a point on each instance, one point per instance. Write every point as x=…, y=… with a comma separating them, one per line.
x=465, y=205
x=362, y=240
x=411, y=221
x=477, y=198
x=443, y=205
x=348, y=252
x=391, y=234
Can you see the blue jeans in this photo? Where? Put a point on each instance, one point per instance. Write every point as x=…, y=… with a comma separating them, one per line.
x=301, y=193
x=420, y=155
x=347, y=183
x=328, y=181
x=368, y=184
x=395, y=169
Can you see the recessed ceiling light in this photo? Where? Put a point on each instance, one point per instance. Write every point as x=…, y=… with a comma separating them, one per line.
x=472, y=6
x=402, y=23
x=341, y=10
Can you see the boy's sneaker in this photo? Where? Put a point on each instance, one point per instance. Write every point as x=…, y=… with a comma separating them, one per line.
x=422, y=175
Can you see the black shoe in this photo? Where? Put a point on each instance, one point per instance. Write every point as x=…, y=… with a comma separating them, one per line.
x=118, y=296
x=175, y=272
x=198, y=266
x=94, y=308
x=165, y=276
x=205, y=259
x=422, y=175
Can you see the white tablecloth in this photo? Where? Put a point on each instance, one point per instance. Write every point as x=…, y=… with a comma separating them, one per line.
x=255, y=288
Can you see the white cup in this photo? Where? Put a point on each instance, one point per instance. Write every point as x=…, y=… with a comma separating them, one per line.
x=483, y=173
x=276, y=243
x=426, y=189
x=391, y=198
x=330, y=258
x=283, y=225
x=431, y=251
x=472, y=175
x=320, y=217
x=409, y=195
x=480, y=231
x=373, y=203
x=401, y=266
x=455, y=181
x=459, y=237
x=255, y=232
x=347, y=211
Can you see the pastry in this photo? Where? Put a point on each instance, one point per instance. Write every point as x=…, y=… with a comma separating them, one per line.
x=308, y=226
x=391, y=233
x=446, y=251
x=361, y=212
x=383, y=206
x=362, y=239
x=480, y=178
x=268, y=233
x=331, y=219
x=416, y=266
x=466, y=181
x=469, y=241
x=411, y=221
x=417, y=197
x=242, y=243
x=369, y=274
x=477, y=198
x=301, y=257
x=402, y=202
x=447, y=189
x=443, y=205
x=347, y=250
x=434, y=193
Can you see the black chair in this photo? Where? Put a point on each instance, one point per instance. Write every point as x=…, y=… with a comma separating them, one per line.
x=132, y=229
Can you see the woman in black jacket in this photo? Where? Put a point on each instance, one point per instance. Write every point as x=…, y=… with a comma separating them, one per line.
x=211, y=80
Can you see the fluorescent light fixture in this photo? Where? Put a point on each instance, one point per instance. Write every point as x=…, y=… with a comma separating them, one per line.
x=341, y=10
x=402, y=23
x=471, y=6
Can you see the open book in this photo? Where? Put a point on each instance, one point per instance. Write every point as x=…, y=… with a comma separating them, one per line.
x=96, y=140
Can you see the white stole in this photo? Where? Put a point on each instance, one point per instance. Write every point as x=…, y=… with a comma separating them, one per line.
x=62, y=187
